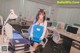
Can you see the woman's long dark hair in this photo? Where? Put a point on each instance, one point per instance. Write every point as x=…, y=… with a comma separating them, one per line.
x=41, y=11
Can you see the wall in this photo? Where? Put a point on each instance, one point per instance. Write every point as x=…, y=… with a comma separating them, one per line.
x=65, y=13
x=1, y=8
x=54, y=11
x=31, y=9
x=7, y=5
x=25, y=8
x=68, y=15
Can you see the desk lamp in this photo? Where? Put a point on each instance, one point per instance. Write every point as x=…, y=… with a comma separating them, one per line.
x=1, y=20
x=6, y=26
x=1, y=23
x=8, y=31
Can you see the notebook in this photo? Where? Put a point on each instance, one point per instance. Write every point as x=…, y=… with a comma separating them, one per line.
x=37, y=33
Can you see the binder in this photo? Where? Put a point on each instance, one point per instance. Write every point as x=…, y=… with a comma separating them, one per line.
x=37, y=33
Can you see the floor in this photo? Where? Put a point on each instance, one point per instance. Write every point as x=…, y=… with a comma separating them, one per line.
x=51, y=47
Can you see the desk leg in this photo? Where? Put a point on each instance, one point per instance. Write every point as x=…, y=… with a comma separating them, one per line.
x=67, y=42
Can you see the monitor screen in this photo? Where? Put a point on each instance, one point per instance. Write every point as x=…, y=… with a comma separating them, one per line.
x=72, y=29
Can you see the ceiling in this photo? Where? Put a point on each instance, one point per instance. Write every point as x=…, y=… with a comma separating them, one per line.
x=47, y=2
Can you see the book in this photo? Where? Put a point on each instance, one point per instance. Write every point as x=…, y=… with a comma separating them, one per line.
x=17, y=48
x=19, y=42
x=25, y=47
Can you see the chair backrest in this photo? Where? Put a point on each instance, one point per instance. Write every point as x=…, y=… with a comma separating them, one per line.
x=56, y=36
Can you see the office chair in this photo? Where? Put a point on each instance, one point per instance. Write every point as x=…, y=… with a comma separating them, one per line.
x=56, y=37
x=41, y=46
x=58, y=47
x=25, y=33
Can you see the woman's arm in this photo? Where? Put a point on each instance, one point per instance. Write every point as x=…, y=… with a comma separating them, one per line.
x=31, y=32
x=44, y=32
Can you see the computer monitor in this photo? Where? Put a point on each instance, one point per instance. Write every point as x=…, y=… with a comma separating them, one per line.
x=66, y=25
x=78, y=32
x=49, y=24
x=48, y=19
x=72, y=29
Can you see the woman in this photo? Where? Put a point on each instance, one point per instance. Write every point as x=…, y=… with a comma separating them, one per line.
x=40, y=20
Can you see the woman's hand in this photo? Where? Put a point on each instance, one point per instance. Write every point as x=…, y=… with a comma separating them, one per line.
x=41, y=38
x=31, y=36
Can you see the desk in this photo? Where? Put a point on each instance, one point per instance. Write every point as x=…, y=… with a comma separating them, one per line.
x=67, y=38
x=67, y=34
x=3, y=46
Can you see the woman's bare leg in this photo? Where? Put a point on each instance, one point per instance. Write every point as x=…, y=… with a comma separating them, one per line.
x=35, y=45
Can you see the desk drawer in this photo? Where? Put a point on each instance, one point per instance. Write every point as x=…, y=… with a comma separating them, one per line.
x=75, y=48
x=76, y=45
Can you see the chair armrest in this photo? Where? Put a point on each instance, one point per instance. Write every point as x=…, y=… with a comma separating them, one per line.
x=25, y=33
